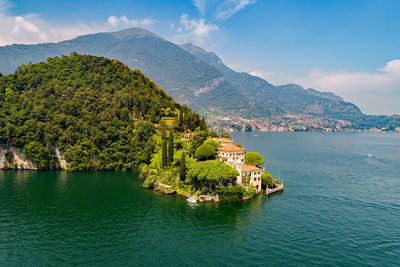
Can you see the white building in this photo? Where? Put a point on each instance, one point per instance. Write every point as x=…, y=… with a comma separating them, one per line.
x=234, y=157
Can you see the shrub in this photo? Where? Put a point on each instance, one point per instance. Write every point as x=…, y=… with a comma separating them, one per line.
x=253, y=158
x=205, y=152
x=267, y=179
x=212, y=142
x=230, y=194
x=251, y=191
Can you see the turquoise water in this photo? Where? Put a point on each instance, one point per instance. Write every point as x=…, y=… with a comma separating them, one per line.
x=341, y=207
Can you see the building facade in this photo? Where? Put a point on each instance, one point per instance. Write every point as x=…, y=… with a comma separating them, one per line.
x=234, y=157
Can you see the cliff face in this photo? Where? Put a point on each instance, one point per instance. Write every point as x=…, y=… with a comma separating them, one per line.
x=63, y=163
x=12, y=158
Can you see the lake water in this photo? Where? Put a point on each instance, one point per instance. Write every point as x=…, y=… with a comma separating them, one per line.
x=341, y=207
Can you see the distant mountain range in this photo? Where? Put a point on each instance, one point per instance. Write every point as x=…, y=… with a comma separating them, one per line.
x=191, y=75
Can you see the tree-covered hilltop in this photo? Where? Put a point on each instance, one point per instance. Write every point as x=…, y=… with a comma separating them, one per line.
x=97, y=111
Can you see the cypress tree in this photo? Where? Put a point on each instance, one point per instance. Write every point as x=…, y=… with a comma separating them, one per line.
x=170, y=147
x=180, y=122
x=182, y=167
x=164, y=158
x=203, y=125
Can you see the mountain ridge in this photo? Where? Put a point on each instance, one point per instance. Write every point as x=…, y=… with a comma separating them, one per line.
x=191, y=75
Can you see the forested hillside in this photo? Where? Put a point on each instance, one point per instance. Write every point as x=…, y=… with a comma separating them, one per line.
x=97, y=111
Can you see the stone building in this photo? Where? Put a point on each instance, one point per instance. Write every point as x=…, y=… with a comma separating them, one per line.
x=234, y=157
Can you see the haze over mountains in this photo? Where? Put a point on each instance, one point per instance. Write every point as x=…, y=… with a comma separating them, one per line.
x=191, y=75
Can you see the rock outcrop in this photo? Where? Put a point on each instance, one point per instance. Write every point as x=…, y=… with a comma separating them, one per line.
x=13, y=158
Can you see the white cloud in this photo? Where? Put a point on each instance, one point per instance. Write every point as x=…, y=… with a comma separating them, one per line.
x=221, y=9
x=361, y=87
x=31, y=28
x=200, y=5
x=262, y=75
x=196, y=31
x=125, y=21
x=113, y=21
x=230, y=7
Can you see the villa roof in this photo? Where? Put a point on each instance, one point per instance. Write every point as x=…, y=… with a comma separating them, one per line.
x=223, y=140
x=248, y=168
x=230, y=148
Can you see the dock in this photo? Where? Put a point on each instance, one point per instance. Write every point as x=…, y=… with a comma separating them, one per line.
x=275, y=190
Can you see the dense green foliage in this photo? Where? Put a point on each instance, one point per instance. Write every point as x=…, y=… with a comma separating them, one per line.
x=212, y=142
x=211, y=173
x=93, y=109
x=253, y=158
x=205, y=152
x=268, y=180
x=203, y=125
x=230, y=194
x=196, y=141
x=226, y=135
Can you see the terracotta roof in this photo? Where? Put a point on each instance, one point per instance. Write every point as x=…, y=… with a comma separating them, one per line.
x=247, y=168
x=230, y=148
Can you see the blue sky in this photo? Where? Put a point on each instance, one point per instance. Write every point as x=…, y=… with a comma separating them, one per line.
x=349, y=47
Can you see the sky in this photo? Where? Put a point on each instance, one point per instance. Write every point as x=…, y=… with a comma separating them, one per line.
x=349, y=47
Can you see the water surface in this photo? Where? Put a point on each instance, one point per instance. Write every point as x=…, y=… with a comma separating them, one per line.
x=341, y=207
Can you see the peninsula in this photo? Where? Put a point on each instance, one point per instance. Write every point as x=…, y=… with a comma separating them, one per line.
x=205, y=167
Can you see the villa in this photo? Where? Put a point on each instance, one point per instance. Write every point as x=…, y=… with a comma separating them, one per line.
x=224, y=141
x=234, y=157
x=187, y=136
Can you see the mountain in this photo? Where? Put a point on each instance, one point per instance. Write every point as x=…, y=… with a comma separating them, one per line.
x=187, y=79
x=279, y=99
x=82, y=113
x=191, y=75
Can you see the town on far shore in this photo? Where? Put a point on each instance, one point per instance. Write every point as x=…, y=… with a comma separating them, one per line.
x=203, y=166
x=299, y=123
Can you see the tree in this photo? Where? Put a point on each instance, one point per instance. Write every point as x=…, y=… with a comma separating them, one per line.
x=268, y=180
x=171, y=147
x=225, y=135
x=210, y=173
x=203, y=125
x=164, y=156
x=205, y=152
x=212, y=142
x=90, y=110
x=253, y=158
x=182, y=167
x=196, y=141
x=180, y=122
